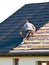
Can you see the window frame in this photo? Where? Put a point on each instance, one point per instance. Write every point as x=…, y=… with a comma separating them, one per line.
x=16, y=61
x=39, y=62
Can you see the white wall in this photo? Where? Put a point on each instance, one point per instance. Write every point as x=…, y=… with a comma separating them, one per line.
x=22, y=60
x=6, y=61
x=32, y=60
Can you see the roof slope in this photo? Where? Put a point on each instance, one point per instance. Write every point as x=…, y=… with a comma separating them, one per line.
x=38, y=14
x=40, y=40
x=38, y=44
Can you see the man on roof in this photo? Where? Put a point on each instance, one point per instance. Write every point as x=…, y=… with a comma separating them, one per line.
x=28, y=27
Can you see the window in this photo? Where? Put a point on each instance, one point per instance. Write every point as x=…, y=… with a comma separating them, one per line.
x=16, y=61
x=43, y=62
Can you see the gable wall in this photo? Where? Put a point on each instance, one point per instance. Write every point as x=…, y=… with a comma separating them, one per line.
x=6, y=61
x=33, y=60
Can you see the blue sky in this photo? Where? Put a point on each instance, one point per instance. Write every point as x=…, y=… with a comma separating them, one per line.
x=8, y=7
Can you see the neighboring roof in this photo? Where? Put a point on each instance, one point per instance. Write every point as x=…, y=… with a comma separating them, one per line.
x=38, y=14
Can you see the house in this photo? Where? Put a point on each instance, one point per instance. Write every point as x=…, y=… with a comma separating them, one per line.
x=33, y=51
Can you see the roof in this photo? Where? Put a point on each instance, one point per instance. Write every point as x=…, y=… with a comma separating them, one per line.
x=38, y=14
x=38, y=44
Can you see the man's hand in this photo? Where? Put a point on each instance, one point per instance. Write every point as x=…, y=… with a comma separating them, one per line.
x=20, y=33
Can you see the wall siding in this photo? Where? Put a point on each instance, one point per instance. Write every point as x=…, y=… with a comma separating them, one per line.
x=23, y=60
x=6, y=61
x=32, y=60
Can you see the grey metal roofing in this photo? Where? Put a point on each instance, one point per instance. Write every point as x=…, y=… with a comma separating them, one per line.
x=37, y=13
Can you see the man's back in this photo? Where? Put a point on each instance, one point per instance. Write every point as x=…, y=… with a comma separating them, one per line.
x=28, y=26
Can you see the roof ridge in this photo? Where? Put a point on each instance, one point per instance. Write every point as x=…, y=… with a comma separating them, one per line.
x=36, y=3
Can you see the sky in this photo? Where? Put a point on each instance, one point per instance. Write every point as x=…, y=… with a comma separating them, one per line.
x=8, y=7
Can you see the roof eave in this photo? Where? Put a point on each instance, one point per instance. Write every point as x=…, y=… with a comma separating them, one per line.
x=30, y=53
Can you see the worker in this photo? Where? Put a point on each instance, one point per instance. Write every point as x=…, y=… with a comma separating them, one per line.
x=28, y=27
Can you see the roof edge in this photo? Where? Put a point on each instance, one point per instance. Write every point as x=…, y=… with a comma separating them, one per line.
x=36, y=3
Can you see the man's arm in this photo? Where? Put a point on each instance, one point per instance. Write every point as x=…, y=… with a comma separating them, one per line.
x=21, y=30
